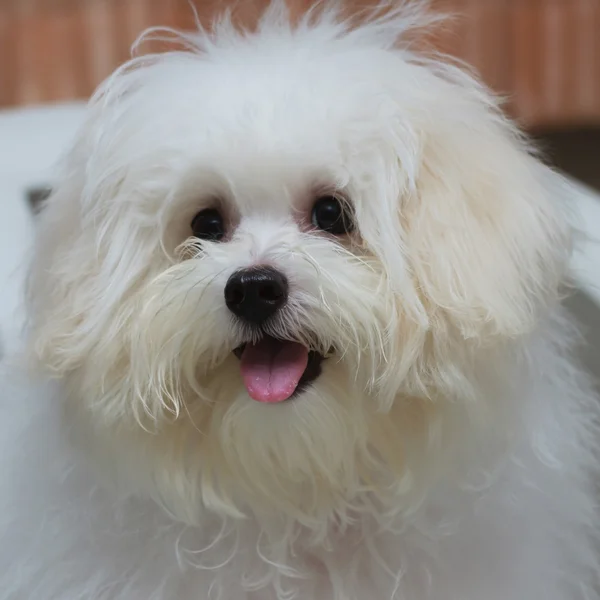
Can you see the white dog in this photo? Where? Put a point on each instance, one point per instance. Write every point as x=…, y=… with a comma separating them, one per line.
x=300, y=292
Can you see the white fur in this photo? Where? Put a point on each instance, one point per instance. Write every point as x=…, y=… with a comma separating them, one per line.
x=447, y=452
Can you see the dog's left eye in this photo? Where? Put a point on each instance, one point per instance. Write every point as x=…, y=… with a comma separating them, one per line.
x=332, y=215
x=208, y=225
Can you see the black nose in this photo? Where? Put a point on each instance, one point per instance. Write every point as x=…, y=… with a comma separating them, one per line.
x=255, y=294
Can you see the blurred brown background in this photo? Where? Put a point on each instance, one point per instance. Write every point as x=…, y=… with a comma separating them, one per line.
x=543, y=54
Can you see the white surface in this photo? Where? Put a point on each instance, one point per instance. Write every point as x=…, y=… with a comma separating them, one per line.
x=32, y=140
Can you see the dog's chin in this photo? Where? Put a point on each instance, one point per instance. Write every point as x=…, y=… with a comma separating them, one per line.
x=276, y=370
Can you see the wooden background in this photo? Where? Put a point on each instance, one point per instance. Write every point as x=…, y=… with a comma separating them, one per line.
x=543, y=54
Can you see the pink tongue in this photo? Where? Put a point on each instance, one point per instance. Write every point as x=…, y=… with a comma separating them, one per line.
x=272, y=369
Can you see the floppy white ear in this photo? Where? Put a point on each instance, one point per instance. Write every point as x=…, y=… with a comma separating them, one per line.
x=488, y=239
x=58, y=280
x=90, y=254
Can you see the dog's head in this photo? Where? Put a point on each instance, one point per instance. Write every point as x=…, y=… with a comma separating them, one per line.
x=287, y=270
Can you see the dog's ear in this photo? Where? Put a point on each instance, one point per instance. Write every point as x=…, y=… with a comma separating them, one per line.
x=57, y=276
x=488, y=239
x=87, y=259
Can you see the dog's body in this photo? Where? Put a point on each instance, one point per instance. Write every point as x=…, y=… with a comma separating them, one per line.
x=519, y=533
x=305, y=321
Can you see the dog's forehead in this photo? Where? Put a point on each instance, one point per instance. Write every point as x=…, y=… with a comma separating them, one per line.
x=273, y=152
x=269, y=133
x=271, y=188
x=267, y=115
x=270, y=168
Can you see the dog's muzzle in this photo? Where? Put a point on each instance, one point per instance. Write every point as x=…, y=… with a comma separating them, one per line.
x=273, y=370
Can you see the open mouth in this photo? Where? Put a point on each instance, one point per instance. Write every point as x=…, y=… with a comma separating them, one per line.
x=276, y=370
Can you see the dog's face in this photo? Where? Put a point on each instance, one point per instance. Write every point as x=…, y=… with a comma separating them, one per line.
x=278, y=271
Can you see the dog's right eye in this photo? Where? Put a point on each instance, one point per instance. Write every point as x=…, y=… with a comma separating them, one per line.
x=332, y=215
x=208, y=225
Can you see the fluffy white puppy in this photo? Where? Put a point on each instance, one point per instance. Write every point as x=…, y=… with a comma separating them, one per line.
x=299, y=290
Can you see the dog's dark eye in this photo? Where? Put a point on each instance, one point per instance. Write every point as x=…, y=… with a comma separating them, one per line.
x=332, y=215
x=208, y=225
